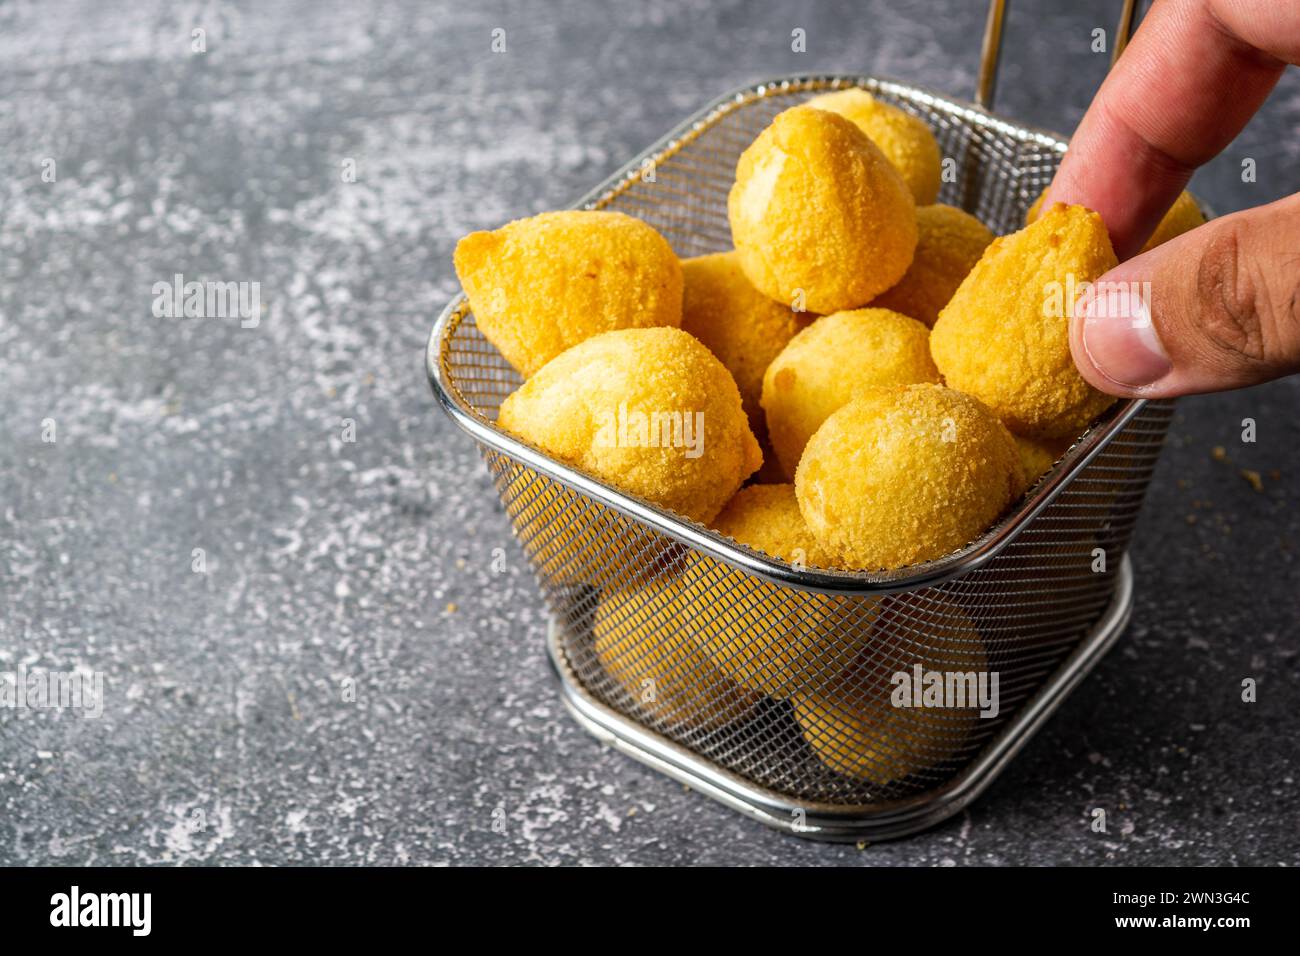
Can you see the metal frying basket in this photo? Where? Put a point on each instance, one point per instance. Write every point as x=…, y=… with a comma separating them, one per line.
x=801, y=733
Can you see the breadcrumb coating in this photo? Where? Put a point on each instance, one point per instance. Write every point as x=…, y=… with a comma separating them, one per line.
x=1004, y=337
x=767, y=518
x=905, y=474
x=829, y=362
x=737, y=323
x=1183, y=216
x=905, y=139
x=1038, y=457
x=819, y=214
x=650, y=411
x=949, y=244
x=538, y=286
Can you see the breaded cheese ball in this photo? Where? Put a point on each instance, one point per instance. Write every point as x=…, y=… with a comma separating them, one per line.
x=775, y=640
x=949, y=244
x=905, y=139
x=832, y=360
x=818, y=215
x=1037, y=458
x=767, y=518
x=639, y=641
x=1183, y=216
x=905, y=474
x=538, y=286
x=1004, y=337
x=650, y=411
x=857, y=725
x=737, y=323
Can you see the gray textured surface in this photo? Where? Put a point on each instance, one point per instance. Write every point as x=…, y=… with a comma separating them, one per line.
x=371, y=561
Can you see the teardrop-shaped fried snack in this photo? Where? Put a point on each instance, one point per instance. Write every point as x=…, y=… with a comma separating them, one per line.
x=819, y=216
x=538, y=286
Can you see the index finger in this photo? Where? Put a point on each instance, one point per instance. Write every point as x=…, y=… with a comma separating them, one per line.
x=1195, y=73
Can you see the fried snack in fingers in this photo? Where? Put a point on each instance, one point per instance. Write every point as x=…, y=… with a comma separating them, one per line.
x=1183, y=216
x=949, y=244
x=906, y=474
x=1004, y=337
x=820, y=218
x=538, y=286
x=832, y=360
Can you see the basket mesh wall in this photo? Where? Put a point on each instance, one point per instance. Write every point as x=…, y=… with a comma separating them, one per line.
x=790, y=689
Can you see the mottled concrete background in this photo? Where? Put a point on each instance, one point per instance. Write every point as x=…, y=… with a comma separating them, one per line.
x=371, y=561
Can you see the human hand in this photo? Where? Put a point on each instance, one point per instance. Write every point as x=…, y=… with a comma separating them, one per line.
x=1214, y=308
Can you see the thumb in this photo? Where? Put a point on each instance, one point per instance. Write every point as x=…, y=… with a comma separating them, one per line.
x=1210, y=310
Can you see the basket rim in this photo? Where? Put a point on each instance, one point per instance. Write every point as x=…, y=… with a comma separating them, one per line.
x=974, y=555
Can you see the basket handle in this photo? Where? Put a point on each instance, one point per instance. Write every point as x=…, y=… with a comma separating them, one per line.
x=992, y=47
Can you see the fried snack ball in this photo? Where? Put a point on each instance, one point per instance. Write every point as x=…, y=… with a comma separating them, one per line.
x=818, y=215
x=540, y=285
x=737, y=323
x=650, y=411
x=1183, y=216
x=859, y=725
x=767, y=518
x=639, y=640
x=1037, y=458
x=832, y=360
x=771, y=639
x=949, y=244
x=1005, y=335
x=904, y=474
x=904, y=139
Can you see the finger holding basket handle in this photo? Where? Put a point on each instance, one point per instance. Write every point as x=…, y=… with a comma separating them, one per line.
x=1213, y=308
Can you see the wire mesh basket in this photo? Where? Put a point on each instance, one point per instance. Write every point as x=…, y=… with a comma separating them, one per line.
x=766, y=685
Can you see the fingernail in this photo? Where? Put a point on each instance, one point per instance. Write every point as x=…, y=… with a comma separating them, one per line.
x=1118, y=334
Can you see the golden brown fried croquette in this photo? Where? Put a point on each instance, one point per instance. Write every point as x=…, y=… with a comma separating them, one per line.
x=818, y=215
x=639, y=639
x=1038, y=457
x=905, y=140
x=1004, y=337
x=767, y=638
x=904, y=474
x=1183, y=216
x=538, y=286
x=650, y=411
x=767, y=518
x=858, y=725
x=741, y=326
x=949, y=244
x=829, y=362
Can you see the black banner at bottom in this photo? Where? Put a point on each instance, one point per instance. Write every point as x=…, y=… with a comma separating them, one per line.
x=335, y=906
